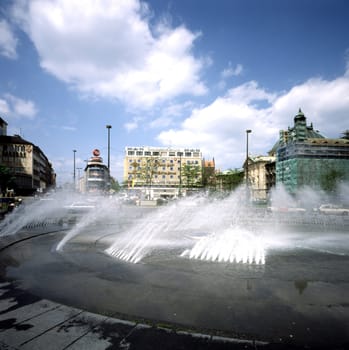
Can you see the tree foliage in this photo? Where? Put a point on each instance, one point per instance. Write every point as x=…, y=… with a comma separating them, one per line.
x=191, y=174
x=7, y=180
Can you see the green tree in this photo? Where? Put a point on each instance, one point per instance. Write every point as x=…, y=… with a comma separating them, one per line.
x=149, y=168
x=114, y=184
x=231, y=179
x=7, y=180
x=191, y=173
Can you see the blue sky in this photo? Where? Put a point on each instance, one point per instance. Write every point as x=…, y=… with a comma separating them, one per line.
x=180, y=73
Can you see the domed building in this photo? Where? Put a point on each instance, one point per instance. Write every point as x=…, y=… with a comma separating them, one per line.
x=304, y=157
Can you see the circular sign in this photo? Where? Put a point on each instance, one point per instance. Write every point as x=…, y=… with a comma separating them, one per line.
x=96, y=152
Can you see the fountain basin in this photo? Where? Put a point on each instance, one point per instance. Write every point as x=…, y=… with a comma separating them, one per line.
x=293, y=297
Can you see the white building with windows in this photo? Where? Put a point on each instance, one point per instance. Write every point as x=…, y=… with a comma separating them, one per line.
x=162, y=172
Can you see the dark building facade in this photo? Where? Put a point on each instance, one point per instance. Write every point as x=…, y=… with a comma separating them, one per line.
x=29, y=166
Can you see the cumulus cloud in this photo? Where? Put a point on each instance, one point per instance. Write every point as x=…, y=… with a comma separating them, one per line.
x=132, y=125
x=325, y=103
x=12, y=106
x=8, y=41
x=108, y=49
x=228, y=73
x=219, y=128
x=4, y=107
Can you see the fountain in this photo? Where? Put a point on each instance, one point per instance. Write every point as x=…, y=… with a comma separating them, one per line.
x=199, y=262
x=202, y=228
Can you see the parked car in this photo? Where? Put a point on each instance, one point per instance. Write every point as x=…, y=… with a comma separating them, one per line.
x=286, y=210
x=333, y=209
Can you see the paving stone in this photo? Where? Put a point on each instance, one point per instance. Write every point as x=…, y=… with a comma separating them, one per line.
x=25, y=312
x=24, y=332
x=110, y=332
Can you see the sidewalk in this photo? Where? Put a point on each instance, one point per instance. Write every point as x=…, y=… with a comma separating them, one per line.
x=28, y=322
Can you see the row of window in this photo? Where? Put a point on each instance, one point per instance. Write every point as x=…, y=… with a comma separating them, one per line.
x=140, y=168
x=14, y=154
x=157, y=153
x=14, y=148
x=155, y=177
x=171, y=161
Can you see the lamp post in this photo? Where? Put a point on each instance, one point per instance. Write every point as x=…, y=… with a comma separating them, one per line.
x=108, y=127
x=247, y=132
x=180, y=174
x=78, y=169
x=74, y=151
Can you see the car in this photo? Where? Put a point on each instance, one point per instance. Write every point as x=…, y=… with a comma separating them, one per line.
x=286, y=210
x=333, y=209
x=79, y=207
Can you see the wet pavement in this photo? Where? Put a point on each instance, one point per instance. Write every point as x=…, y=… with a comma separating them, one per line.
x=82, y=299
x=29, y=322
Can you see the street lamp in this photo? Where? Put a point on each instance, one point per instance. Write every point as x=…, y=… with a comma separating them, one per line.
x=247, y=132
x=74, y=151
x=108, y=127
x=180, y=174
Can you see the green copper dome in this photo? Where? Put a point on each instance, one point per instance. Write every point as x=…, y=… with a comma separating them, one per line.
x=300, y=116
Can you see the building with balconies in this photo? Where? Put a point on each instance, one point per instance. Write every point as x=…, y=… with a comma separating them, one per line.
x=162, y=172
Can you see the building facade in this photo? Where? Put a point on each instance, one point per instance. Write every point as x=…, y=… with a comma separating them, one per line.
x=96, y=179
x=260, y=176
x=163, y=172
x=209, y=174
x=306, y=158
x=29, y=166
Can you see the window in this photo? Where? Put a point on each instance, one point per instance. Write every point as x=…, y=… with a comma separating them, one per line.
x=171, y=154
x=155, y=153
x=188, y=154
x=139, y=153
x=147, y=153
x=131, y=153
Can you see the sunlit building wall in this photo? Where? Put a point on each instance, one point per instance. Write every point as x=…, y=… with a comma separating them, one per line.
x=162, y=169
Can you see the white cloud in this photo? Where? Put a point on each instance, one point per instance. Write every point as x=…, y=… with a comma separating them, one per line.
x=107, y=49
x=4, y=107
x=16, y=107
x=324, y=102
x=8, y=41
x=69, y=128
x=132, y=125
x=228, y=73
x=219, y=129
x=231, y=72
